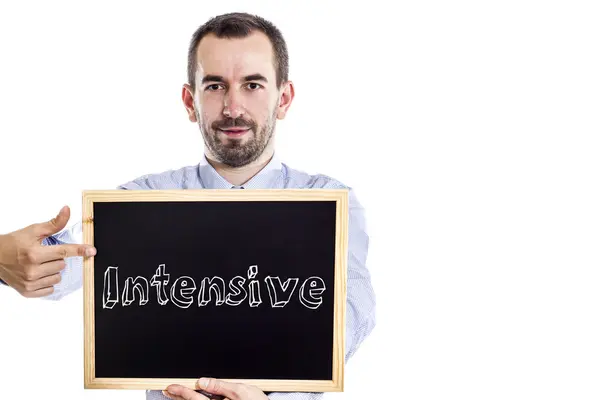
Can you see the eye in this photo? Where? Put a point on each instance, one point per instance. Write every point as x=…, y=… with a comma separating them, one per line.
x=254, y=86
x=213, y=87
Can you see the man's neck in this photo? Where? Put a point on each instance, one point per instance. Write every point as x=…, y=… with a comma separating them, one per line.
x=241, y=175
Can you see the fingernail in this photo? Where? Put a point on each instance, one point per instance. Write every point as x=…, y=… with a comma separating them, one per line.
x=164, y=392
x=203, y=382
x=90, y=252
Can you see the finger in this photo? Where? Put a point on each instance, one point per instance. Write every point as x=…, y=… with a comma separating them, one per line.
x=53, y=226
x=62, y=251
x=38, y=293
x=172, y=396
x=8, y=277
x=184, y=393
x=212, y=396
x=43, y=283
x=46, y=269
x=216, y=386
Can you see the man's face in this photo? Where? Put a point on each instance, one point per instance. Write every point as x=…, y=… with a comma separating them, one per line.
x=236, y=100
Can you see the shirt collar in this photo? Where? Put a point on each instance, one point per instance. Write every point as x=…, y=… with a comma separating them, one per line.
x=264, y=179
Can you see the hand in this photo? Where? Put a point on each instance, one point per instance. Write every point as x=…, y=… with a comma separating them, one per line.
x=228, y=390
x=31, y=268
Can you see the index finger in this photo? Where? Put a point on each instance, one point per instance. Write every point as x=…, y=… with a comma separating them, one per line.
x=61, y=251
x=181, y=392
x=219, y=387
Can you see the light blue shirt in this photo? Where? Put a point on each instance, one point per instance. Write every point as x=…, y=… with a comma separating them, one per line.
x=360, y=309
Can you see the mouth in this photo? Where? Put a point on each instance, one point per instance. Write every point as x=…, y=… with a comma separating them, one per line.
x=234, y=132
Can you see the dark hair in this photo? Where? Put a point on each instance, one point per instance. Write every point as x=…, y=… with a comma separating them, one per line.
x=239, y=25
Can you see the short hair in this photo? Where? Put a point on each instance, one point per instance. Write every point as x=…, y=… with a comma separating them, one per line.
x=240, y=25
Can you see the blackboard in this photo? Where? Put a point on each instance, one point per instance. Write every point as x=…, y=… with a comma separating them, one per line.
x=241, y=285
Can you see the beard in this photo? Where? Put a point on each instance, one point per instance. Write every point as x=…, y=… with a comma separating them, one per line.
x=234, y=152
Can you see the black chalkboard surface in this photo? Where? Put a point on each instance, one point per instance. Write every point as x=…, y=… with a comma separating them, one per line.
x=241, y=285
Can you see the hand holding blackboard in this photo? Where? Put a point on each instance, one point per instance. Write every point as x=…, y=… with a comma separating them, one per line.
x=210, y=388
x=31, y=268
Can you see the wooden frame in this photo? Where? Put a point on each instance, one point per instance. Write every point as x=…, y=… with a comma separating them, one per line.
x=340, y=196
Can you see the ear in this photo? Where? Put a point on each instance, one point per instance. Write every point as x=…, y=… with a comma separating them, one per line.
x=285, y=99
x=187, y=95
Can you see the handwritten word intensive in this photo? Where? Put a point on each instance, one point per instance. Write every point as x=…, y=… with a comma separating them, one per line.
x=181, y=292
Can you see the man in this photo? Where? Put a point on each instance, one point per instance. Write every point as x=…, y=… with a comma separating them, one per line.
x=237, y=88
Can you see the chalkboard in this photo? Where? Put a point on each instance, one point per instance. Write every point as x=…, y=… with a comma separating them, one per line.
x=240, y=285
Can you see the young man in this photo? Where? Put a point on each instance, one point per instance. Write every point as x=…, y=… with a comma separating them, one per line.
x=237, y=88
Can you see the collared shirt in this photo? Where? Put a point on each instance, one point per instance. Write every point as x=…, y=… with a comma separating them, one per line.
x=360, y=308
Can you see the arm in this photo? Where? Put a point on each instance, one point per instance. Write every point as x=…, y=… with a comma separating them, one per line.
x=360, y=311
x=22, y=267
x=360, y=301
x=71, y=277
x=37, y=260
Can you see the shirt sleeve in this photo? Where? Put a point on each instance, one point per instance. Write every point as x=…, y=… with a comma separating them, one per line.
x=361, y=301
x=72, y=275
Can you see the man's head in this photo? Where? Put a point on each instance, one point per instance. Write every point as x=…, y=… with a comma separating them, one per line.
x=237, y=86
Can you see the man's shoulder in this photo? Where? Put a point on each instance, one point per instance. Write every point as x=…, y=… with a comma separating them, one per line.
x=186, y=177
x=300, y=179
x=296, y=178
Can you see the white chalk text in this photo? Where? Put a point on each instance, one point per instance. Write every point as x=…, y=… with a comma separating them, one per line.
x=210, y=291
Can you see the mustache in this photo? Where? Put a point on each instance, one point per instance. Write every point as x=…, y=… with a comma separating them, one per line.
x=233, y=122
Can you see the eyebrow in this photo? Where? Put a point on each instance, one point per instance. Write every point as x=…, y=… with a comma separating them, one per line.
x=255, y=77
x=218, y=78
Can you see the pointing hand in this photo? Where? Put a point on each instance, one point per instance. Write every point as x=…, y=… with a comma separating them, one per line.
x=31, y=268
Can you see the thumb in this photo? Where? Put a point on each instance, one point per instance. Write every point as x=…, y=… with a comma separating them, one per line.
x=55, y=225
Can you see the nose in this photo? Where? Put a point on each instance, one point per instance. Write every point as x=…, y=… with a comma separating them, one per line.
x=232, y=105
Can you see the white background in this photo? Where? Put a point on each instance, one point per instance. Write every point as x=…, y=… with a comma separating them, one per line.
x=469, y=130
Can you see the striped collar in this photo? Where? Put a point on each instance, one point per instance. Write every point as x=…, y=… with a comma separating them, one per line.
x=264, y=179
